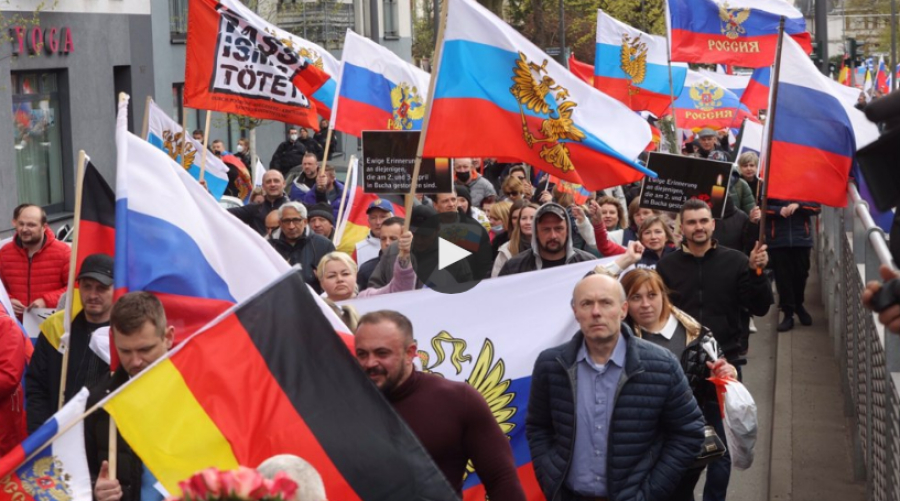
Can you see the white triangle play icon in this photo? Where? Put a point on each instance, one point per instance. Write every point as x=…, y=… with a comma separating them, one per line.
x=449, y=253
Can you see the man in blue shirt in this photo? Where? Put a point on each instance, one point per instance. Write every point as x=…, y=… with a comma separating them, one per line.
x=610, y=416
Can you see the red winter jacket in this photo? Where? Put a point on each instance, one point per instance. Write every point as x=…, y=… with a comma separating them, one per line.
x=12, y=367
x=44, y=276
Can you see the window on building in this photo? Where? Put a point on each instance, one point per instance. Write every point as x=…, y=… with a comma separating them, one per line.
x=38, y=145
x=178, y=18
x=391, y=19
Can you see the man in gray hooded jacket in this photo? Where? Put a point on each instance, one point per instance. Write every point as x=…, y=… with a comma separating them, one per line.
x=551, y=243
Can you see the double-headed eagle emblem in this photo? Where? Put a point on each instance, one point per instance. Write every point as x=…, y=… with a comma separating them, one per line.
x=46, y=480
x=307, y=53
x=732, y=20
x=407, y=105
x=487, y=376
x=634, y=60
x=538, y=96
x=176, y=144
x=707, y=96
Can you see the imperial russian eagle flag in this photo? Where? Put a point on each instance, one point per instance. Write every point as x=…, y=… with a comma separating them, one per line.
x=378, y=90
x=498, y=95
x=166, y=134
x=238, y=63
x=60, y=470
x=737, y=84
x=495, y=355
x=632, y=66
x=267, y=379
x=706, y=103
x=817, y=133
x=737, y=32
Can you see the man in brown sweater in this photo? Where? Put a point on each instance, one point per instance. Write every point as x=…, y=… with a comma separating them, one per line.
x=451, y=419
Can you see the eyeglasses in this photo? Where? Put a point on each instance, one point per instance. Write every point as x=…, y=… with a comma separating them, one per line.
x=292, y=220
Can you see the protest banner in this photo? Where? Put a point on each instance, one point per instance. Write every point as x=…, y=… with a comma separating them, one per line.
x=387, y=165
x=682, y=178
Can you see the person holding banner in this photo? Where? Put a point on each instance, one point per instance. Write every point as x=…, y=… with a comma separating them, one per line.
x=141, y=335
x=610, y=416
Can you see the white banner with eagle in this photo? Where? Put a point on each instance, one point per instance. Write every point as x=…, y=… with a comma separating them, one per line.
x=490, y=338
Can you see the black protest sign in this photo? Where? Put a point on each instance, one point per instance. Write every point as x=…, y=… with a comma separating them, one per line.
x=682, y=178
x=388, y=158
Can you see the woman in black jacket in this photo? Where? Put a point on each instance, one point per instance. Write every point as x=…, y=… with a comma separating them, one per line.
x=654, y=319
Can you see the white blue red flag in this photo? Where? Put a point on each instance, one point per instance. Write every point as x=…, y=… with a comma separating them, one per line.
x=882, y=76
x=704, y=102
x=817, y=133
x=756, y=95
x=751, y=138
x=378, y=90
x=632, y=66
x=494, y=355
x=737, y=84
x=166, y=134
x=499, y=95
x=737, y=32
x=60, y=470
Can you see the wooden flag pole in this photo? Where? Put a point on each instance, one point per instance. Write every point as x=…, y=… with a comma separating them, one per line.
x=73, y=264
x=145, y=127
x=113, y=448
x=770, y=132
x=414, y=181
x=327, y=148
x=345, y=195
x=205, y=145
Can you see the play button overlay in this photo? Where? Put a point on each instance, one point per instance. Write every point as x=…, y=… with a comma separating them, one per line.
x=451, y=252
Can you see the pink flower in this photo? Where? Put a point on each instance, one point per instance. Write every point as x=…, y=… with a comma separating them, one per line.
x=196, y=488
x=248, y=484
x=210, y=477
x=283, y=486
x=229, y=486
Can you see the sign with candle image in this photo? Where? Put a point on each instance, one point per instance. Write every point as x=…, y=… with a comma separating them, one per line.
x=681, y=178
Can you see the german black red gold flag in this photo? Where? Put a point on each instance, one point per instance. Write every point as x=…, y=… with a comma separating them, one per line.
x=272, y=377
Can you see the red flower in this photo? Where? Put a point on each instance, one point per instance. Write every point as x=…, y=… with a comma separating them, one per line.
x=283, y=486
x=248, y=484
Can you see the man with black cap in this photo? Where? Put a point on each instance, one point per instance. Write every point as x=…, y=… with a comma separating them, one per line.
x=378, y=212
x=95, y=285
x=321, y=220
x=551, y=243
x=707, y=140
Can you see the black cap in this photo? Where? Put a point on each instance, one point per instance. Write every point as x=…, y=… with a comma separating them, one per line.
x=321, y=210
x=98, y=267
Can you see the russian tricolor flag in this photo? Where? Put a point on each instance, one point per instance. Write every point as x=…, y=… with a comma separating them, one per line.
x=378, y=90
x=499, y=95
x=59, y=470
x=756, y=95
x=735, y=83
x=817, y=133
x=737, y=32
x=881, y=78
x=705, y=102
x=632, y=66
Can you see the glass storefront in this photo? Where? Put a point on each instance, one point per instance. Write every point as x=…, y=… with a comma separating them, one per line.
x=36, y=116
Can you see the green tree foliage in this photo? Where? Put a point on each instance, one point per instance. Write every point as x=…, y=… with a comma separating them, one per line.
x=539, y=20
x=423, y=32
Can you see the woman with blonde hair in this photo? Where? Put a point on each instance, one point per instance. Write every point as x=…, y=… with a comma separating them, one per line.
x=519, y=238
x=653, y=318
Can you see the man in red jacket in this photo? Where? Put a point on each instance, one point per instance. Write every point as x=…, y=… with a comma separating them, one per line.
x=12, y=367
x=35, y=267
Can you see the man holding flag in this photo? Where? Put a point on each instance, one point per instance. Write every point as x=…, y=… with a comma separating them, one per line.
x=95, y=284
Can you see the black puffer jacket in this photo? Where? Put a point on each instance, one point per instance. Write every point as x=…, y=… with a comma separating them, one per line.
x=735, y=230
x=694, y=357
x=793, y=231
x=655, y=431
x=129, y=467
x=254, y=215
x=714, y=289
x=307, y=252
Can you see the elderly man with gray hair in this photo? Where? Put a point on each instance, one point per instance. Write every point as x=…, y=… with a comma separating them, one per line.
x=309, y=482
x=299, y=246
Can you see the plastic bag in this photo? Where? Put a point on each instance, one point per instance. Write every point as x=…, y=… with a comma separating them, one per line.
x=740, y=423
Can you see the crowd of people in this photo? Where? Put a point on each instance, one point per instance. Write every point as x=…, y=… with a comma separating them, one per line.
x=618, y=412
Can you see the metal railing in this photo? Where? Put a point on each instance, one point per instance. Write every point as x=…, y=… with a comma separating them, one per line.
x=850, y=250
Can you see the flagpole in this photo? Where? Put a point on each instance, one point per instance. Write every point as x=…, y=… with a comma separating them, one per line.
x=145, y=128
x=414, y=181
x=113, y=448
x=184, y=134
x=770, y=132
x=327, y=147
x=73, y=263
x=675, y=147
x=345, y=195
x=205, y=147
